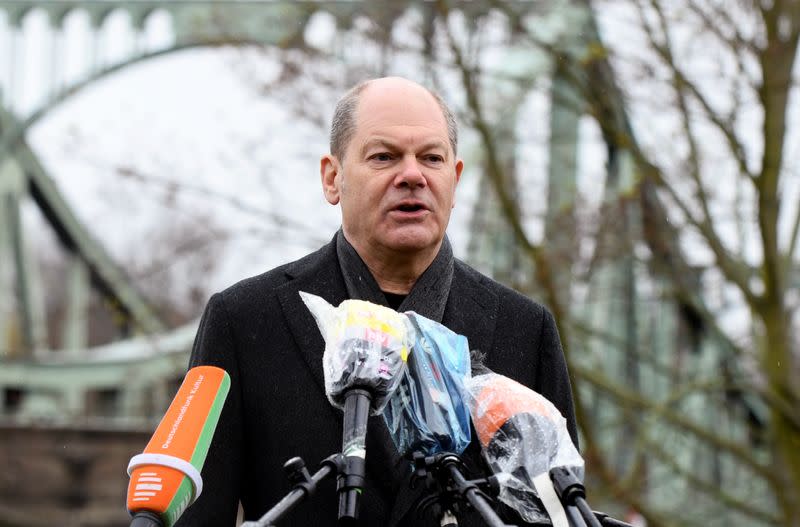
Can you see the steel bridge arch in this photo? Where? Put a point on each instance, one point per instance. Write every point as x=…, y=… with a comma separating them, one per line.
x=12, y=140
x=149, y=363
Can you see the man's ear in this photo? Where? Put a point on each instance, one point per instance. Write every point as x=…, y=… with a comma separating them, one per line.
x=459, y=167
x=329, y=172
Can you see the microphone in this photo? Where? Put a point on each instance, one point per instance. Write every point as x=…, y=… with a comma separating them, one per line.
x=165, y=478
x=428, y=413
x=523, y=437
x=366, y=348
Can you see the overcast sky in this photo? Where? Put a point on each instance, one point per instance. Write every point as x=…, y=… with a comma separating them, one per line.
x=197, y=121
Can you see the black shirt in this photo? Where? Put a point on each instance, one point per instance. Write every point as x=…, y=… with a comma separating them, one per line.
x=394, y=299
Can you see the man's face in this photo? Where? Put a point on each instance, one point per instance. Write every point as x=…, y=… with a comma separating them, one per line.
x=396, y=183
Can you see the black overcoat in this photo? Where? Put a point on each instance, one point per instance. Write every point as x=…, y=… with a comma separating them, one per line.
x=262, y=334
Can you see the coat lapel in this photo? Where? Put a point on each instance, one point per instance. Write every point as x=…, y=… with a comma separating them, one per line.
x=317, y=274
x=471, y=309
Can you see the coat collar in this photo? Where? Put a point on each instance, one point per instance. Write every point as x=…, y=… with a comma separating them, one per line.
x=471, y=311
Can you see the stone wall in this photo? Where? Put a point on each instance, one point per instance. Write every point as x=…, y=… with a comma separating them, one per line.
x=63, y=476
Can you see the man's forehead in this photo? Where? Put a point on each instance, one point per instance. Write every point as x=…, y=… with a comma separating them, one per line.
x=395, y=119
x=400, y=104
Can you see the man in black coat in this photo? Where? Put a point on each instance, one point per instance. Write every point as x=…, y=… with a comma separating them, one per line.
x=393, y=171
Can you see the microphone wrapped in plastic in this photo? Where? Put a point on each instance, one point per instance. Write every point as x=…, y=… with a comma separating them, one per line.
x=428, y=413
x=523, y=437
x=366, y=348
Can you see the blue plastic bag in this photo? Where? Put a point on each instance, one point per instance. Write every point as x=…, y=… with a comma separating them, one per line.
x=428, y=412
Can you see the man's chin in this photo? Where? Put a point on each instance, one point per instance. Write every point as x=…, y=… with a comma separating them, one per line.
x=412, y=242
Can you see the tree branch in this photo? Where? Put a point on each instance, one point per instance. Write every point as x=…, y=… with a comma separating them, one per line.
x=793, y=241
x=682, y=83
x=741, y=452
x=733, y=270
x=711, y=488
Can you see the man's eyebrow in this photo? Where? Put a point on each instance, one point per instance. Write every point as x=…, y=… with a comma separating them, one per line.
x=435, y=143
x=389, y=145
x=377, y=142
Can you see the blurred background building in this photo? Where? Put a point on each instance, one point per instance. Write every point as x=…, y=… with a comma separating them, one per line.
x=630, y=164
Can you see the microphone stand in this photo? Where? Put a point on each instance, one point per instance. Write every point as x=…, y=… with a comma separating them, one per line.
x=445, y=473
x=608, y=521
x=304, y=485
x=572, y=494
x=349, y=467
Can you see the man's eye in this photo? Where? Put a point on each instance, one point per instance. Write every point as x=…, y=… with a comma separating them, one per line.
x=381, y=156
x=434, y=158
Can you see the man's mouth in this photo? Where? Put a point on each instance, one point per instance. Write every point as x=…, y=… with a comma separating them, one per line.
x=410, y=207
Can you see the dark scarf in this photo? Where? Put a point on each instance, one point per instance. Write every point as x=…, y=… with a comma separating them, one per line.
x=429, y=295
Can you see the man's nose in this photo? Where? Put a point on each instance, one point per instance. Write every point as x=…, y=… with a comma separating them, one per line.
x=410, y=173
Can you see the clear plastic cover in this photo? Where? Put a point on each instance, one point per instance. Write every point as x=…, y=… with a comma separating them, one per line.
x=428, y=412
x=522, y=436
x=366, y=346
x=415, y=368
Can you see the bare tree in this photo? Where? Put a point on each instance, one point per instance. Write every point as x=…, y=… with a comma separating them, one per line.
x=695, y=238
x=718, y=183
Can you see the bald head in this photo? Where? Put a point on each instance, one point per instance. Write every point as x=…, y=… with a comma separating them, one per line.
x=343, y=126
